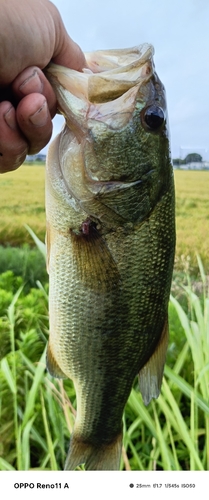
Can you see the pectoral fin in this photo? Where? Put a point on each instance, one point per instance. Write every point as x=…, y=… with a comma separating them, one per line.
x=96, y=267
x=150, y=376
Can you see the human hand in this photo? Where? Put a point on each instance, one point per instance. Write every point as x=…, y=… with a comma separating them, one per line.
x=33, y=34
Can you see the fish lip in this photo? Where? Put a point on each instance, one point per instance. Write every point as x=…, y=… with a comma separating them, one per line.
x=113, y=57
x=130, y=68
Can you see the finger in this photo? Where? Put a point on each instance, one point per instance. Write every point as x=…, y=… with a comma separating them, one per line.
x=66, y=52
x=34, y=121
x=13, y=147
x=70, y=55
x=32, y=80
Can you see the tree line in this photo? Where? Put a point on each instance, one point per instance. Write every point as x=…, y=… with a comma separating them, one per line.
x=191, y=157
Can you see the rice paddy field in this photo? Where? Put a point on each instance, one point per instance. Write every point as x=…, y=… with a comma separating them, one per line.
x=37, y=412
x=22, y=202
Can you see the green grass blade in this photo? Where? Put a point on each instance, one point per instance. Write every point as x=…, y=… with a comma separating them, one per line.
x=174, y=449
x=135, y=454
x=165, y=452
x=181, y=359
x=192, y=431
x=34, y=388
x=26, y=444
x=40, y=245
x=28, y=363
x=11, y=308
x=201, y=268
x=4, y=465
x=6, y=371
x=187, y=389
x=48, y=436
x=176, y=419
x=37, y=438
x=139, y=409
x=183, y=319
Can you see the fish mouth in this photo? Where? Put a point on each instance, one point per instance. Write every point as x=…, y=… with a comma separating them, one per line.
x=116, y=71
x=110, y=73
x=106, y=91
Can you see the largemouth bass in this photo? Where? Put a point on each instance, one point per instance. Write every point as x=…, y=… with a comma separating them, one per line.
x=110, y=243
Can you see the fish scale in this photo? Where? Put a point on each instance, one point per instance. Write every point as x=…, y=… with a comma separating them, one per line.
x=110, y=244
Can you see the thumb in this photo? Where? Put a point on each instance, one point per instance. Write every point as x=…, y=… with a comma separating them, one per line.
x=70, y=55
x=66, y=51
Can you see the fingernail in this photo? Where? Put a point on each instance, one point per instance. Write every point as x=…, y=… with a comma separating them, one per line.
x=40, y=118
x=31, y=84
x=10, y=118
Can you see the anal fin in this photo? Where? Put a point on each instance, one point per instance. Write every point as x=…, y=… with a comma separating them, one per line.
x=52, y=365
x=150, y=376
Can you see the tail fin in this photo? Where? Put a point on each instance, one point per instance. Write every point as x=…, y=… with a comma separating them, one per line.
x=95, y=457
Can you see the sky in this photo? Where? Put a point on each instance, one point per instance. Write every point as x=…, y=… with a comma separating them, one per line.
x=178, y=30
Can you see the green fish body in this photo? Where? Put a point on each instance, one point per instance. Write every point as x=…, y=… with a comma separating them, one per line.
x=110, y=243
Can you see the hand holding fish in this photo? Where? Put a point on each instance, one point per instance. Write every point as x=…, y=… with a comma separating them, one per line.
x=27, y=101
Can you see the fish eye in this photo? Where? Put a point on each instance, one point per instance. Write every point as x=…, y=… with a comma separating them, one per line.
x=154, y=117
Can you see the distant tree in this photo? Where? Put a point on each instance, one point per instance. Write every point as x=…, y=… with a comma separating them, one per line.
x=193, y=157
x=177, y=161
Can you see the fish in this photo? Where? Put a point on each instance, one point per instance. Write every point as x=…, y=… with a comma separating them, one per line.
x=110, y=236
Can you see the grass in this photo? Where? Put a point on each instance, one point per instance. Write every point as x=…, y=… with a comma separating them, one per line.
x=192, y=216
x=22, y=202
x=24, y=261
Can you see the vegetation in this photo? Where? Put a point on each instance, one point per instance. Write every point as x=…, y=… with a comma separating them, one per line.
x=26, y=262
x=192, y=219
x=191, y=157
x=22, y=202
x=37, y=412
